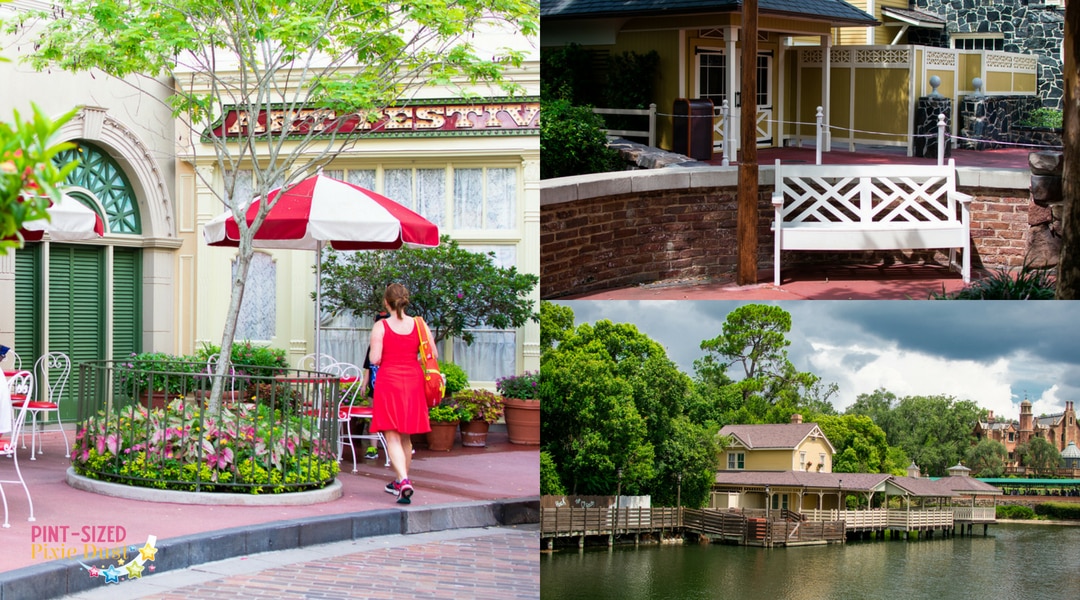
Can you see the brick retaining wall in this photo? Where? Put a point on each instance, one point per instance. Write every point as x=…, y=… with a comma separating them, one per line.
x=620, y=230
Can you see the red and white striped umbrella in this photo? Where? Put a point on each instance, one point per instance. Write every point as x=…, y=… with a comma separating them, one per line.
x=323, y=210
x=69, y=220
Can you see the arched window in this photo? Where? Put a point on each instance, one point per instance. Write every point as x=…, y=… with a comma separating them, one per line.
x=100, y=175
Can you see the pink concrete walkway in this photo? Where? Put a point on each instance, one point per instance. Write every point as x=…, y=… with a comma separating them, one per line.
x=501, y=470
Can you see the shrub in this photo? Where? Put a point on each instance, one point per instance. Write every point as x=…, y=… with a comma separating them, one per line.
x=447, y=412
x=572, y=143
x=1028, y=284
x=159, y=372
x=523, y=387
x=1010, y=511
x=456, y=379
x=1058, y=510
x=1043, y=117
x=549, y=477
x=250, y=449
x=480, y=405
x=246, y=354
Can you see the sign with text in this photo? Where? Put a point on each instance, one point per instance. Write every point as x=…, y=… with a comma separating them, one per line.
x=429, y=119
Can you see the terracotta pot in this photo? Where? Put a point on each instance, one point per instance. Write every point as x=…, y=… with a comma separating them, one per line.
x=474, y=433
x=154, y=399
x=441, y=437
x=522, y=421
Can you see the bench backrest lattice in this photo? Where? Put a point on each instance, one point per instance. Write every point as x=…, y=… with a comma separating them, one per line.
x=870, y=207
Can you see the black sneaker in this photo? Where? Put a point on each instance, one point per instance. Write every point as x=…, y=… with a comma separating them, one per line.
x=394, y=487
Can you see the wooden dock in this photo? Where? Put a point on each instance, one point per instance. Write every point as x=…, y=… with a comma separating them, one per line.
x=781, y=528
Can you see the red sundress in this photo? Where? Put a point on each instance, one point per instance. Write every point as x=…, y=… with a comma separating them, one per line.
x=399, y=403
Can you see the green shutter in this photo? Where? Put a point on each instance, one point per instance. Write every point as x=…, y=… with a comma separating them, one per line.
x=27, y=304
x=76, y=309
x=127, y=302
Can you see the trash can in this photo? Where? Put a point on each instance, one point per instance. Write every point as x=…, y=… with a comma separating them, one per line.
x=693, y=134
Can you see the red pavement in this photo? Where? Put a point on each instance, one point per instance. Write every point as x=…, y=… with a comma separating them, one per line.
x=819, y=282
x=501, y=470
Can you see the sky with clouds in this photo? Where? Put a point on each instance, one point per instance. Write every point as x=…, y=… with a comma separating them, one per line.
x=994, y=353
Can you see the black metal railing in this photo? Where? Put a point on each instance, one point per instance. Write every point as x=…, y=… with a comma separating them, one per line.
x=156, y=424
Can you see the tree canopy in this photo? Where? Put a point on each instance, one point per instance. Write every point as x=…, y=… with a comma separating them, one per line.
x=613, y=402
x=346, y=60
x=452, y=288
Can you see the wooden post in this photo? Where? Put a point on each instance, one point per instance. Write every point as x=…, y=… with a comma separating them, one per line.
x=1068, y=286
x=747, y=220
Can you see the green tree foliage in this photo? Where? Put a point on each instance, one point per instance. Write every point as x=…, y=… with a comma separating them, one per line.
x=572, y=143
x=611, y=400
x=344, y=58
x=771, y=388
x=935, y=431
x=1039, y=455
x=860, y=445
x=28, y=177
x=453, y=289
x=566, y=73
x=549, y=477
x=987, y=458
x=556, y=322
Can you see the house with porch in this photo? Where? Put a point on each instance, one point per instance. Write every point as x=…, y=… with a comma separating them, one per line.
x=764, y=472
x=868, y=88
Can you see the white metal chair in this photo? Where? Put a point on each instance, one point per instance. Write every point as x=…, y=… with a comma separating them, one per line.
x=20, y=383
x=315, y=362
x=21, y=387
x=52, y=371
x=349, y=408
x=11, y=361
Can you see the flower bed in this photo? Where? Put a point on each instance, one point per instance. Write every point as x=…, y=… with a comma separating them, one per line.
x=267, y=438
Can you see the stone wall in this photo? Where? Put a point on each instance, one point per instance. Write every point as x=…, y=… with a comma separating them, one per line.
x=618, y=230
x=994, y=119
x=1028, y=27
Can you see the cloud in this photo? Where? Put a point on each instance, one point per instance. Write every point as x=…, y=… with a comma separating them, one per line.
x=992, y=353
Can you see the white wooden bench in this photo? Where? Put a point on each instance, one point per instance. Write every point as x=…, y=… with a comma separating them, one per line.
x=870, y=207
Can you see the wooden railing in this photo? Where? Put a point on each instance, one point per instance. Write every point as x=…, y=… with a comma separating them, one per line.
x=570, y=521
x=920, y=519
x=975, y=514
x=719, y=523
x=855, y=520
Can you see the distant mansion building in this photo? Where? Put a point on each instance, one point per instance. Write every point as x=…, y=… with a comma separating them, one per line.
x=1060, y=429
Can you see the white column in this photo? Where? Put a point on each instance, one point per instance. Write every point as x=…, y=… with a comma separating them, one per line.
x=7, y=298
x=530, y=261
x=826, y=91
x=731, y=35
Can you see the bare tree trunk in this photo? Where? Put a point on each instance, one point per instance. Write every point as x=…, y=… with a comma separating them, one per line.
x=1068, y=287
x=236, y=298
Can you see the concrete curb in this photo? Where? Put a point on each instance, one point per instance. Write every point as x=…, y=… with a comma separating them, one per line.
x=61, y=577
x=145, y=494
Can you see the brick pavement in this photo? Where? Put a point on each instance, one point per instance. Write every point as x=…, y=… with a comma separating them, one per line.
x=496, y=563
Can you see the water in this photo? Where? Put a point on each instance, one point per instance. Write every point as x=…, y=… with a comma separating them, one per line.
x=1022, y=562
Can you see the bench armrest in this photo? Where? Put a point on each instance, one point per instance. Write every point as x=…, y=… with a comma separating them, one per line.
x=961, y=197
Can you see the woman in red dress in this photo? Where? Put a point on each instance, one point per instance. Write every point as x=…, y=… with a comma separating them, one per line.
x=399, y=406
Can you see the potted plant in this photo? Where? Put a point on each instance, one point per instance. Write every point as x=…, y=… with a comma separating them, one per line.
x=456, y=379
x=157, y=377
x=444, y=420
x=521, y=403
x=482, y=407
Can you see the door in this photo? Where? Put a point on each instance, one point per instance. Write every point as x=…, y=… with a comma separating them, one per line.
x=712, y=83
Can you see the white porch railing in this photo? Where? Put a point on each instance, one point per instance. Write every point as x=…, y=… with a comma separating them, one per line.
x=650, y=112
x=876, y=518
x=880, y=518
x=975, y=514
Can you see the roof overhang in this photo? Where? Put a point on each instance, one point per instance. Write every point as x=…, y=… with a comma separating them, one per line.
x=914, y=18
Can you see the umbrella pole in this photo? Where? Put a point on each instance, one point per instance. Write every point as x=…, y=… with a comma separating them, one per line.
x=318, y=304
